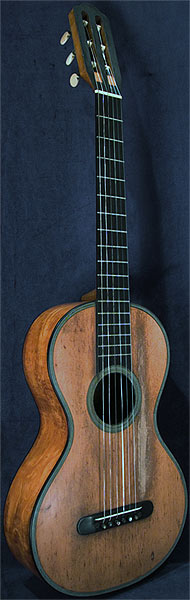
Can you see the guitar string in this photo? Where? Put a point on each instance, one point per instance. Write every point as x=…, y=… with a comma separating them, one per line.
x=101, y=301
x=121, y=383
x=119, y=117
x=131, y=365
x=113, y=286
x=114, y=310
x=131, y=369
x=106, y=100
x=109, y=468
x=113, y=101
x=118, y=299
x=132, y=380
x=127, y=394
x=114, y=340
x=123, y=242
x=101, y=293
x=107, y=312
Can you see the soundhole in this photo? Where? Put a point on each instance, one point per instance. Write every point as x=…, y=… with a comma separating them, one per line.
x=114, y=399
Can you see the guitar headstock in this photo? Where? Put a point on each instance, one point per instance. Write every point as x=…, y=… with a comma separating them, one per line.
x=94, y=48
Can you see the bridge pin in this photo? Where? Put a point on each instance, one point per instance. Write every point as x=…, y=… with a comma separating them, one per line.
x=117, y=522
x=130, y=519
x=110, y=524
x=103, y=525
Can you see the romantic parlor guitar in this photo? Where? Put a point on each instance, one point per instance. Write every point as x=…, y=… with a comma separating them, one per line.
x=99, y=502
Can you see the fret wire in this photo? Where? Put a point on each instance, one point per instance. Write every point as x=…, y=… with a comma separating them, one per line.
x=114, y=325
x=114, y=335
x=113, y=119
x=114, y=183
x=112, y=345
x=112, y=288
x=110, y=129
x=110, y=196
x=113, y=261
x=114, y=313
x=110, y=139
x=109, y=178
x=112, y=214
x=110, y=275
x=109, y=246
x=110, y=355
x=112, y=230
x=108, y=158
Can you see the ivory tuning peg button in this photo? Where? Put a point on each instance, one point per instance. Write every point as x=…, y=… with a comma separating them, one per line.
x=65, y=37
x=70, y=58
x=74, y=80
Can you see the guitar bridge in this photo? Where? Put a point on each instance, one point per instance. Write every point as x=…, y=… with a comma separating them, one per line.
x=117, y=517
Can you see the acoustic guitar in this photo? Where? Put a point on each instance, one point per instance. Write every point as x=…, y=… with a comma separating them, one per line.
x=99, y=502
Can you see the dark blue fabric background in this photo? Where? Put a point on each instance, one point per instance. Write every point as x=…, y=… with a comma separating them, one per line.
x=48, y=213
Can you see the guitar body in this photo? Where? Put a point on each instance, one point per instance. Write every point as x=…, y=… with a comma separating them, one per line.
x=61, y=478
x=99, y=502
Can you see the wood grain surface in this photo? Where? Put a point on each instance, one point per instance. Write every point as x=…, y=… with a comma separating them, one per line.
x=49, y=443
x=86, y=564
x=89, y=297
x=78, y=49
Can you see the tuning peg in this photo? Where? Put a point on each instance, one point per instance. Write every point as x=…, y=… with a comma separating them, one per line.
x=70, y=58
x=65, y=37
x=74, y=80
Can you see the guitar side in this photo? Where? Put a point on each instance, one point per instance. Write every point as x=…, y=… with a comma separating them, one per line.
x=49, y=443
x=44, y=479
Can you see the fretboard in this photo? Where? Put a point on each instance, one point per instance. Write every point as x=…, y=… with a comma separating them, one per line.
x=113, y=344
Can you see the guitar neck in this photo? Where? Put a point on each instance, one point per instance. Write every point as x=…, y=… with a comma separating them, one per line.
x=112, y=272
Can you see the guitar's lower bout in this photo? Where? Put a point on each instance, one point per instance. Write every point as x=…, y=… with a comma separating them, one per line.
x=61, y=479
x=91, y=564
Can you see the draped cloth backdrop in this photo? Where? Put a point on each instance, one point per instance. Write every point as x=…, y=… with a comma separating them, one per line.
x=48, y=213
